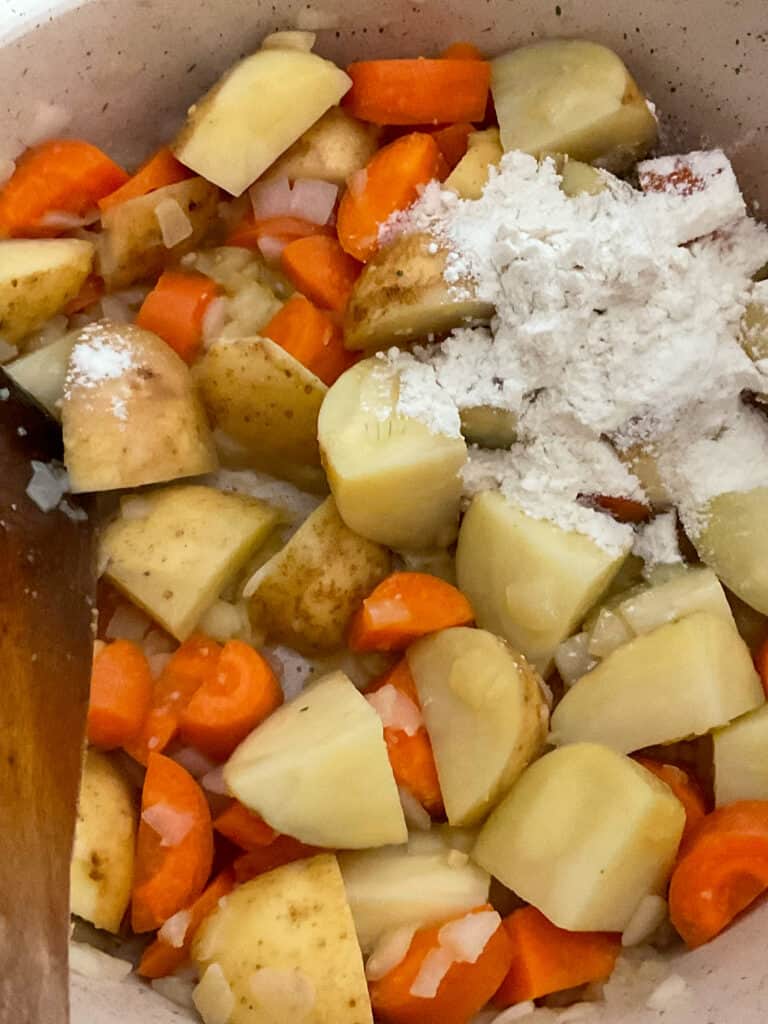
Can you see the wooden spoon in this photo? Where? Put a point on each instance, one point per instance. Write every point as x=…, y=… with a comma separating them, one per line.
x=47, y=596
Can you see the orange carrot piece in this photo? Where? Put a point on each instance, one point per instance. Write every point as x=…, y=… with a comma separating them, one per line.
x=411, y=757
x=310, y=336
x=761, y=663
x=170, y=871
x=284, y=850
x=461, y=51
x=319, y=267
x=161, y=169
x=390, y=182
x=60, y=176
x=685, y=788
x=160, y=958
x=121, y=694
x=464, y=990
x=418, y=92
x=186, y=671
x=249, y=232
x=723, y=868
x=403, y=607
x=244, y=828
x=91, y=292
x=175, y=308
x=548, y=959
x=240, y=692
x=453, y=141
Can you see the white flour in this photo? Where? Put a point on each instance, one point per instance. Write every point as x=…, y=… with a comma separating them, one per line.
x=419, y=396
x=606, y=325
x=97, y=358
x=656, y=542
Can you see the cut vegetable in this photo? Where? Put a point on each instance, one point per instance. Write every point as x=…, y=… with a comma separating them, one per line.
x=470, y=176
x=283, y=850
x=741, y=759
x=317, y=769
x=734, y=543
x=453, y=141
x=584, y=835
x=244, y=828
x=681, y=680
x=255, y=112
x=311, y=337
x=120, y=696
x=174, y=310
x=377, y=458
x=320, y=268
x=175, y=561
x=685, y=788
x=528, y=580
x=161, y=169
x=484, y=712
x=574, y=97
x=42, y=373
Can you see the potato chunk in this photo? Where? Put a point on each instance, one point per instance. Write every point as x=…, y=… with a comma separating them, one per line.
x=282, y=948
x=42, y=373
x=395, y=478
x=584, y=835
x=258, y=109
x=527, y=579
x=754, y=325
x=38, y=277
x=175, y=561
x=101, y=873
x=305, y=595
x=573, y=97
x=741, y=759
x=681, y=680
x=484, y=712
x=734, y=543
x=318, y=769
x=470, y=175
x=402, y=295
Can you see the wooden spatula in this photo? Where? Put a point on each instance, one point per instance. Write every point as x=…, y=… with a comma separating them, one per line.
x=47, y=591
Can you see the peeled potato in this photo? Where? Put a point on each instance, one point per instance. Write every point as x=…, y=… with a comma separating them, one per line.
x=577, y=178
x=489, y=426
x=574, y=97
x=402, y=295
x=469, y=176
x=42, y=373
x=740, y=762
x=734, y=543
x=255, y=112
x=394, y=479
x=754, y=326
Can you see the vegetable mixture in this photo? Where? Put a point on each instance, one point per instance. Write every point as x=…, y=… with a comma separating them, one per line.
x=343, y=766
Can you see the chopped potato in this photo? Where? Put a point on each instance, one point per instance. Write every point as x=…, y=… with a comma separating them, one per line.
x=38, y=277
x=305, y=595
x=681, y=680
x=318, y=769
x=263, y=398
x=257, y=110
x=101, y=874
x=527, y=579
x=289, y=40
x=138, y=423
x=282, y=949
x=131, y=247
x=333, y=148
x=175, y=560
x=402, y=295
x=754, y=326
x=734, y=543
x=584, y=836
x=578, y=178
x=484, y=712
x=394, y=479
x=470, y=175
x=740, y=753
x=574, y=97
x=405, y=885
x=42, y=373
x=489, y=426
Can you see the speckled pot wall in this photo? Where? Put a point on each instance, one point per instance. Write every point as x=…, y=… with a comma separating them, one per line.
x=126, y=69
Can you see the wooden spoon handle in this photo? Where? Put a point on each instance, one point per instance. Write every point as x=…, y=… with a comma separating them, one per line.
x=47, y=595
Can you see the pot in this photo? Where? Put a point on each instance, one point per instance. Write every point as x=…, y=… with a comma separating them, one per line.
x=122, y=74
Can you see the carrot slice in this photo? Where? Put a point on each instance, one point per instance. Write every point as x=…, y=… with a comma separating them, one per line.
x=411, y=757
x=722, y=869
x=161, y=169
x=174, y=848
x=284, y=850
x=238, y=693
x=121, y=694
x=403, y=607
x=685, y=788
x=310, y=336
x=249, y=232
x=547, y=959
x=244, y=828
x=390, y=182
x=319, y=267
x=761, y=663
x=420, y=91
x=160, y=958
x=186, y=671
x=453, y=141
x=60, y=176
x=175, y=308
x=462, y=51
x=91, y=291
x=465, y=987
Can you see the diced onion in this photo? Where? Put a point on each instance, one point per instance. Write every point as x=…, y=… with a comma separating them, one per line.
x=415, y=815
x=213, y=997
x=389, y=951
x=214, y=319
x=671, y=989
x=174, y=930
x=271, y=198
x=128, y=623
x=48, y=485
x=157, y=663
x=313, y=200
x=395, y=710
x=271, y=248
x=171, y=825
x=467, y=937
x=197, y=764
x=175, y=225
x=214, y=782
x=60, y=220
x=649, y=915
x=433, y=970
x=92, y=963
x=304, y=41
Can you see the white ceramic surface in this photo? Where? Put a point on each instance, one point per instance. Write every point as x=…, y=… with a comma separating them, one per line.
x=124, y=71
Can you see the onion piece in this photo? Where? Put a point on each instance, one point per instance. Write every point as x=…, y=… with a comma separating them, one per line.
x=415, y=815
x=60, y=220
x=271, y=198
x=271, y=248
x=171, y=825
x=174, y=930
x=214, y=782
x=395, y=710
x=670, y=990
x=432, y=972
x=467, y=937
x=174, y=224
x=313, y=200
x=389, y=951
x=128, y=623
x=197, y=764
x=213, y=996
x=289, y=40
x=214, y=319
x=48, y=485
